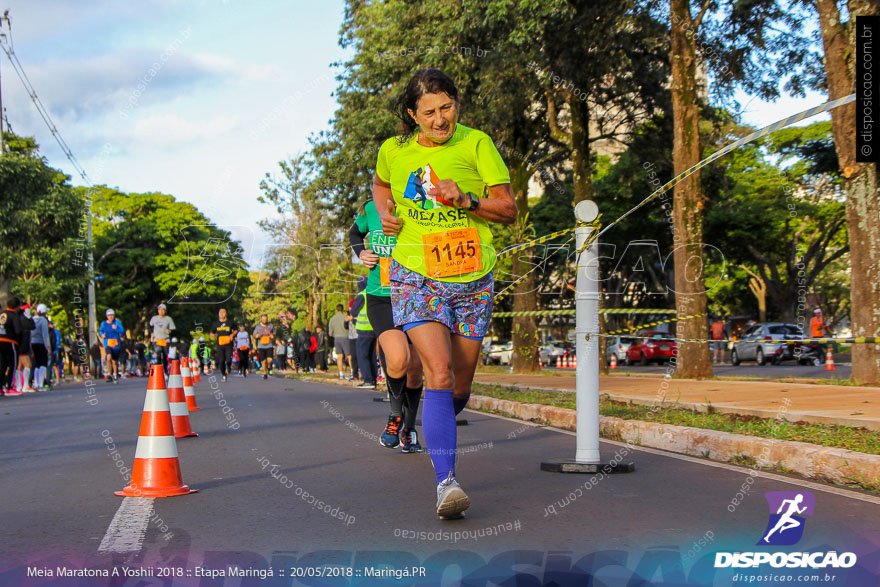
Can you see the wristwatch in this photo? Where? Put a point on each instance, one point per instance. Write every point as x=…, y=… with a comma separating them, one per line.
x=475, y=202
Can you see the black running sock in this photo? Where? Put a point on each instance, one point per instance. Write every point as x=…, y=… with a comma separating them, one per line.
x=397, y=405
x=395, y=385
x=460, y=403
x=413, y=397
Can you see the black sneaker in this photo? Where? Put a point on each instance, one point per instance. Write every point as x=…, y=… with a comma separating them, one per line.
x=410, y=441
x=265, y=376
x=391, y=436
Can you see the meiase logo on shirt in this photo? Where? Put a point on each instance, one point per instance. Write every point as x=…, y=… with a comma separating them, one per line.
x=422, y=181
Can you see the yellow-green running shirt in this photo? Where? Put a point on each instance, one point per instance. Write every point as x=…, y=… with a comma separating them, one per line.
x=438, y=240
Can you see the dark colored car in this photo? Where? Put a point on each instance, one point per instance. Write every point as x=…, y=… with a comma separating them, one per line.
x=650, y=347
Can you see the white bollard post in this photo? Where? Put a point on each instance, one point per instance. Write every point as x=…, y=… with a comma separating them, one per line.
x=587, y=459
x=587, y=341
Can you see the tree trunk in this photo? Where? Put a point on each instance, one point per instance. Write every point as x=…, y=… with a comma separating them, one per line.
x=694, y=360
x=4, y=289
x=860, y=185
x=525, y=295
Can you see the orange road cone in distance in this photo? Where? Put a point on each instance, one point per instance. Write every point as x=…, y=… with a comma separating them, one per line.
x=829, y=360
x=574, y=362
x=613, y=361
x=177, y=402
x=156, y=469
x=188, y=386
x=195, y=370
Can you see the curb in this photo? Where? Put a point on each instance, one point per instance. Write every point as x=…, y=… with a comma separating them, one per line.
x=808, y=460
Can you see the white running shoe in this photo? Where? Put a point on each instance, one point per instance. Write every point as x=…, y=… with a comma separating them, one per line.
x=451, y=499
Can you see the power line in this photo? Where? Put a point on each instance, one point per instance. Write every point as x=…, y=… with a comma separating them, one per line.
x=41, y=109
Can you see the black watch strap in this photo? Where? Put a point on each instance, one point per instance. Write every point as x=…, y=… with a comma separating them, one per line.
x=475, y=202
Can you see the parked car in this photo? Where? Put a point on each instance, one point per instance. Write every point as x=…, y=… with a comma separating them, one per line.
x=502, y=356
x=652, y=346
x=618, y=346
x=489, y=347
x=550, y=353
x=755, y=345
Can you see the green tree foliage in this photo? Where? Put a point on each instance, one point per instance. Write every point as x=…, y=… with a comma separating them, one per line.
x=311, y=258
x=150, y=248
x=41, y=256
x=780, y=212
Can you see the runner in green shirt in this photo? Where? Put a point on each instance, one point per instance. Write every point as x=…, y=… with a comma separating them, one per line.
x=402, y=367
x=447, y=182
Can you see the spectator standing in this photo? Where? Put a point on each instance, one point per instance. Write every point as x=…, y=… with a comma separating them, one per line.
x=97, y=364
x=10, y=338
x=366, y=342
x=24, y=356
x=141, y=349
x=352, y=341
x=280, y=355
x=321, y=351
x=338, y=331
x=41, y=347
x=818, y=329
x=719, y=333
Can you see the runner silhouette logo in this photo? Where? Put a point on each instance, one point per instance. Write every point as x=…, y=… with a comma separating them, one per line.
x=787, y=511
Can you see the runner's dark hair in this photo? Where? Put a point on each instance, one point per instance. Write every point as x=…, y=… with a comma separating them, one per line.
x=425, y=81
x=364, y=203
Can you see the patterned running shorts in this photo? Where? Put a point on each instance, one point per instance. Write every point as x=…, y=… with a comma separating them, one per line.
x=464, y=308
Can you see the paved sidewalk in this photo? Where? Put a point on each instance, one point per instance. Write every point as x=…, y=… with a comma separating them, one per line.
x=821, y=404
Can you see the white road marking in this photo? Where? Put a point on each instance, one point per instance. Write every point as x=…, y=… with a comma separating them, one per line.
x=758, y=473
x=129, y=526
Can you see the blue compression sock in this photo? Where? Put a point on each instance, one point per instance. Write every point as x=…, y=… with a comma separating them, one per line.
x=460, y=403
x=438, y=427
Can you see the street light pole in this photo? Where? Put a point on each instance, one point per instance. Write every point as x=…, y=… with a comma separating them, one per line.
x=93, y=335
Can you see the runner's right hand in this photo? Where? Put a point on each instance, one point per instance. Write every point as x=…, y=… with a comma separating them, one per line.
x=369, y=258
x=390, y=223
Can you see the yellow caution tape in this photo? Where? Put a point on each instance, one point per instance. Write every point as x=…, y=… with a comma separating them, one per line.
x=571, y=312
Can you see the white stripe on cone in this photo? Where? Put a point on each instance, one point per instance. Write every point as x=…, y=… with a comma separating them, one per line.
x=156, y=400
x=179, y=409
x=156, y=447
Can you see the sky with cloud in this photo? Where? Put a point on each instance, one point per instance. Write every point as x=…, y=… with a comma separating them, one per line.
x=194, y=99
x=198, y=99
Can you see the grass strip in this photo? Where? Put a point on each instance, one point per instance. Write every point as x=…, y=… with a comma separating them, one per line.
x=857, y=439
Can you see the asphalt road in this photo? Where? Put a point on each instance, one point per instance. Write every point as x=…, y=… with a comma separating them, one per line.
x=661, y=524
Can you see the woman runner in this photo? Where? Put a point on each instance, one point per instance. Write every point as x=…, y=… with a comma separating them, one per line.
x=448, y=182
x=243, y=347
x=402, y=366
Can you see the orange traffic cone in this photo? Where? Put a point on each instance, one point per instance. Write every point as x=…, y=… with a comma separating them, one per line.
x=560, y=363
x=195, y=370
x=574, y=362
x=188, y=386
x=156, y=469
x=613, y=361
x=177, y=401
x=829, y=360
